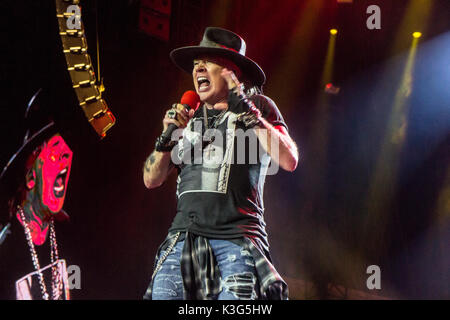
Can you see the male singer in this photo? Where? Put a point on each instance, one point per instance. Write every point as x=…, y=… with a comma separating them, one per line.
x=217, y=245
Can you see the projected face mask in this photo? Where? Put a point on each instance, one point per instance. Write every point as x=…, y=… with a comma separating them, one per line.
x=52, y=169
x=46, y=183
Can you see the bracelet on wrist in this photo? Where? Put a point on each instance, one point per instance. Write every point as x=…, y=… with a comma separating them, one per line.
x=162, y=146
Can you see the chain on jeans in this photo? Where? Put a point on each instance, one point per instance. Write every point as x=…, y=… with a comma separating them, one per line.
x=163, y=258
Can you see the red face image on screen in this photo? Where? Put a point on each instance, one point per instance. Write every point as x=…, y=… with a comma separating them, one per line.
x=46, y=185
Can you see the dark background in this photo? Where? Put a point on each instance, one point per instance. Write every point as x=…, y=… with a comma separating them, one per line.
x=324, y=226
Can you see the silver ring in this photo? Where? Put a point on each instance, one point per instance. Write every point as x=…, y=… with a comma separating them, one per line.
x=171, y=114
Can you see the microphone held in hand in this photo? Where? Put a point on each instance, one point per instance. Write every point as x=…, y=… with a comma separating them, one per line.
x=190, y=100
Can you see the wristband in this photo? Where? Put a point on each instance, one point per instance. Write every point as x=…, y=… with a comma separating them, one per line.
x=249, y=120
x=247, y=112
x=163, y=146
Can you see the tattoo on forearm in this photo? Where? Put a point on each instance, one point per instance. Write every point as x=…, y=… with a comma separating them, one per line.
x=150, y=160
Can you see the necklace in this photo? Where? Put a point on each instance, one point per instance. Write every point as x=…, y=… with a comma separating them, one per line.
x=56, y=276
x=208, y=135
x=216, y=120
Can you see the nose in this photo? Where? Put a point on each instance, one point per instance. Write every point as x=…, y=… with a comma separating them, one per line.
x=200, y=67
x=63, y=160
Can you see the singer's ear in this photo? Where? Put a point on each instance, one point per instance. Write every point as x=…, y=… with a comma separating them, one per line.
x=30, y=179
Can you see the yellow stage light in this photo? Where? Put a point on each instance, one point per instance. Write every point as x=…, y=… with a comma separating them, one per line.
x=417, y=34
x=333, y=31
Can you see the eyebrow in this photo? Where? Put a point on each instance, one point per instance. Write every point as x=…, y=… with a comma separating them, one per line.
x=55, y=144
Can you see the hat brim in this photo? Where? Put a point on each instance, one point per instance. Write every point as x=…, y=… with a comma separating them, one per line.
x=183, y=58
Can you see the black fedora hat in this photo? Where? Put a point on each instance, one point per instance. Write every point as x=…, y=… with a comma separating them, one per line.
x=39, y=128
x=223, y=43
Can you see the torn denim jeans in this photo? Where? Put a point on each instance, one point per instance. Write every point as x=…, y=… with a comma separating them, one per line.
x=238, y=280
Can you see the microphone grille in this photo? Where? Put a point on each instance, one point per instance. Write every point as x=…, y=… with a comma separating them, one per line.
x=191, y=98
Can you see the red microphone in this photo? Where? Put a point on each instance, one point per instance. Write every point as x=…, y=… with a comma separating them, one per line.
x=191, y=98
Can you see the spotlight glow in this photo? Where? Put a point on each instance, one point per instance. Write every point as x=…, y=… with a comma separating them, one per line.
x=417, y=34
x=333, y=31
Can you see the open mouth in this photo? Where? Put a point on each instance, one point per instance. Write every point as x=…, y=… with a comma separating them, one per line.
x=60, y=184
x=203, y=83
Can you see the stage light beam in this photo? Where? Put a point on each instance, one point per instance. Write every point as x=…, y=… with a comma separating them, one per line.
x=384, y=182
x=414, y=21
x=329, y=61
x=295, y=54
x=319, y=138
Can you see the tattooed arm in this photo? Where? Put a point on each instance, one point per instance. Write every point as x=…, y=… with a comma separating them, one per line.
x=158, y=165
x=156, y=169
x=274, y=139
